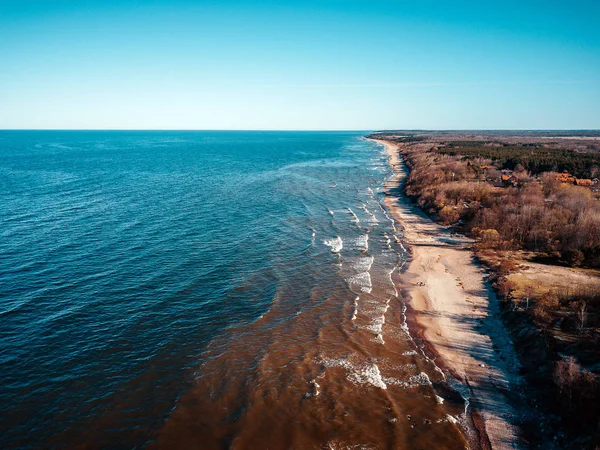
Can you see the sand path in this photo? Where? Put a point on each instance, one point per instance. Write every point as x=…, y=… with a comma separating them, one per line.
x=457, y=313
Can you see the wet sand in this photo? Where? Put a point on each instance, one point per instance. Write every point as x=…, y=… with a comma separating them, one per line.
x=456, y=313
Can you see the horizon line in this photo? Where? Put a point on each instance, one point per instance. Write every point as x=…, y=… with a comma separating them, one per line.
x=358, y=130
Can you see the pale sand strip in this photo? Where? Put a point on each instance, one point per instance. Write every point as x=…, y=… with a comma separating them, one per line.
x=457, y=312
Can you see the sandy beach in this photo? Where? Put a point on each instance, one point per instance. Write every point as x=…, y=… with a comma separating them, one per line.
x=455, y=312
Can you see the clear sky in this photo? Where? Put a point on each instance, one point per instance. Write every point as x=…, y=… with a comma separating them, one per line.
x=300, y=65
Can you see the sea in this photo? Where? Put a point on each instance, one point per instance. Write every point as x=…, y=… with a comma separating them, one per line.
x=208, y=289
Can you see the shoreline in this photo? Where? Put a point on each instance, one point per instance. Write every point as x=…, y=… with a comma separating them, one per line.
x=455, y=312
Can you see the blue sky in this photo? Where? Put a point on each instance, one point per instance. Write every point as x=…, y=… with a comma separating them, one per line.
x=300, y=65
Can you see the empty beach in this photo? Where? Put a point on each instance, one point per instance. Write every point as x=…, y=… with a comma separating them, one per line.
x=454, y=311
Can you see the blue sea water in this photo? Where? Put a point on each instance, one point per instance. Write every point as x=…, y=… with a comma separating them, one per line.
x=123, y=254
x=205, y=290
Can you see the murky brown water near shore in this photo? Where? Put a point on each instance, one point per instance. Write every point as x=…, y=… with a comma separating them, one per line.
x=342, y=371
x=208, y=290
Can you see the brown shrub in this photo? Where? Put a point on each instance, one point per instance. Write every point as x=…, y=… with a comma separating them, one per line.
x=507, y=266
x=550, y=184
x=449, y=215
x=573, y=257
x=490, y=238
x=505, y=288
x=549, y=301
x=544, y=308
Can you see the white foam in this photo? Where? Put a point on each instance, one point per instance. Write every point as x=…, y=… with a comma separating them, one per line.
x=376, y=325
x=341, y=362
x=315, y=388
x=367, y=373
x=394, y=291
x=385, y=213
x=363, y=263
x=388, y=241
x=355, y=218
x=362, y=281
x=372, y=217
x=336, y=244
x=362, y=242
x=414, y=381
x=422, y=379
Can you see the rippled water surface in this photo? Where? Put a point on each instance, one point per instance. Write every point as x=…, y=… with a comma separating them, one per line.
x=206, y=289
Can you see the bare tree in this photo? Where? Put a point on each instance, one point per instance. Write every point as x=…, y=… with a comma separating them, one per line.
x=528, y=292
x=581, y=311
x=566, y=374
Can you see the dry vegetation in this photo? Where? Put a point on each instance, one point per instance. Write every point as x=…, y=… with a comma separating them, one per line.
x=559, y=221
x=533, y=230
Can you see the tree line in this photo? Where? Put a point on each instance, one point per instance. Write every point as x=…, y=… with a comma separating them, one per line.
x=557, y=220
x=536, y=158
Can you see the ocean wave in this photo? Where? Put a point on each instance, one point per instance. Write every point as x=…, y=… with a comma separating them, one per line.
x=362, y=242
x=421, y=379
x=393, y=291
x=336, y=244
x=355, y=218
x=372, y=217
x=376, y=327
x=368, y=374
x=365, y=373
x=362, y=281
x=387, y=216
x=363, y=263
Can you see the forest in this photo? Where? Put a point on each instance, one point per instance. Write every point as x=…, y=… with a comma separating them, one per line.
x=536, y=158
x=558, y=221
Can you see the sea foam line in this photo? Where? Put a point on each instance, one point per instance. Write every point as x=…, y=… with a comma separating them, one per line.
x=385, y=213
x=355, y=218
x=373, y=217
x=362, y=279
